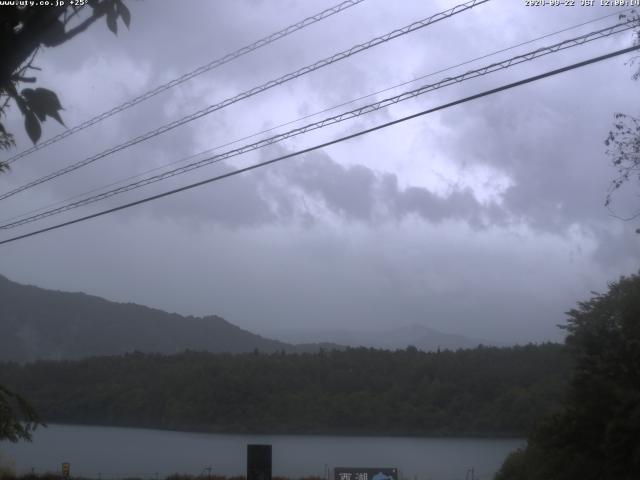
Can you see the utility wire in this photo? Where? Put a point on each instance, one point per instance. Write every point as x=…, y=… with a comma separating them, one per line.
x=540, y=52
x=299, y=119
x=254, y=91
x=188, y=76
x=331, y=142
x=290, y=122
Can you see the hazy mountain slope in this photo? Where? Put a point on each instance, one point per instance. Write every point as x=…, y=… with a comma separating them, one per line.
x=43, y=324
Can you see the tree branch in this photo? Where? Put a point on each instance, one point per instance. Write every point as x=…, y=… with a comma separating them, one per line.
x=98, y=12
x=82, y=26
x=16, y=49
x=76, y=11
x=626, y=219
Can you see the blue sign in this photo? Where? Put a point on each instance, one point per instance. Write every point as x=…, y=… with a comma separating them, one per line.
x=350, y=473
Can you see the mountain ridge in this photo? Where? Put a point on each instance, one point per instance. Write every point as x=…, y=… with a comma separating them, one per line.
x=42, y=324
x=45, y=324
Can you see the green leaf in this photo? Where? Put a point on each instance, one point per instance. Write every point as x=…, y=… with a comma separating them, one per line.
x=32, y=125
x=6, y=142
x=112, y=18
x=32, y=104
x=22, y=104
x=43, y=102
x=54, y=35
x=40, y=114
x=49, y=98
x=124, y=12
x=57, y=117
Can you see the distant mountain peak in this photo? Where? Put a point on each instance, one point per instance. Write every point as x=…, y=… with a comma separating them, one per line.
x=421, y=336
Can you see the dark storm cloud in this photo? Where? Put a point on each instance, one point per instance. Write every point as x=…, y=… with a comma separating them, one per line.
x=351, y=193
x=557, y=185
x=359, y=193
x=557, y=162
x=234, y=202
x=460, y=204
x=546, y=137
x=347, y=191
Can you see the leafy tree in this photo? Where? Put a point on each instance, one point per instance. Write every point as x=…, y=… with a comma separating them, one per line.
x=624, y=149
x=623, y=142
x=17, y=418
x=597, y=435
x=23, y=31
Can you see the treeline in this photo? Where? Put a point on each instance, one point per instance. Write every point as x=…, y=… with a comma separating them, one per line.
x=478, y=392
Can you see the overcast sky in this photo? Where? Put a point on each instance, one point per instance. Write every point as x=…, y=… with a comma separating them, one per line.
x=486, y=219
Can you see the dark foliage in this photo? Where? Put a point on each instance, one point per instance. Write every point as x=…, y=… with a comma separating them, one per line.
x=23, y=31
x=597, y=435
x=623, y=145
x=623, y=141
x=17, y=417
x=484, y=391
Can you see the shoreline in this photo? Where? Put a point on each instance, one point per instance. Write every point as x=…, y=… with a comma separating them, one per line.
x=315, y=433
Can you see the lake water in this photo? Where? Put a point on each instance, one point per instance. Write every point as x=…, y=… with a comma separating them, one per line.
x=107, y=452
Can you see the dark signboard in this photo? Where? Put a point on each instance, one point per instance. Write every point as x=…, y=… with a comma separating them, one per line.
x=258, y=462
x=350, y=473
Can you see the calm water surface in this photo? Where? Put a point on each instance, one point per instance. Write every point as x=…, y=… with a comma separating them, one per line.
x=130, y=452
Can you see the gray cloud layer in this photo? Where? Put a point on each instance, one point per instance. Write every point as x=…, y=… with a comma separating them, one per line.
x=485, y=219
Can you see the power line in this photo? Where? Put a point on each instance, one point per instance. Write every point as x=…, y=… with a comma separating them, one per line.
x=336, y=119
x=540, y=52
x=304, y=117
x=331, y=142
x=194, y=73
x=254, y=91
x=290, y=122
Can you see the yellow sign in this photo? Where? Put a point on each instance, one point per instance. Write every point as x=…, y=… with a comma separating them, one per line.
x=66, y=470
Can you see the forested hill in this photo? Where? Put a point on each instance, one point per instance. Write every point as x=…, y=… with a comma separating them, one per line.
x=43, y=324
x=484, y=391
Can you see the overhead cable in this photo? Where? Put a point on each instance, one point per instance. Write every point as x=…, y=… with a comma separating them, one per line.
x=188, y=76
x=502, y=65
x=310, y=115
x=329, y=143
x=254, y=91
